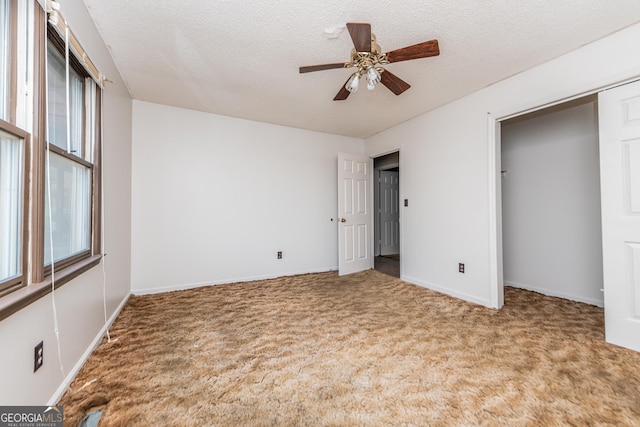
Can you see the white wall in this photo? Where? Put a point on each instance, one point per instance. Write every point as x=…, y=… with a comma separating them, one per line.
x=79, y=302
x=446, y=165
x=552, y=235
x=215, y=198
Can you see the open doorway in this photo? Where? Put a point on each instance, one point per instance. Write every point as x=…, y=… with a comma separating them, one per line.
x=551, y=223
x=386, y=199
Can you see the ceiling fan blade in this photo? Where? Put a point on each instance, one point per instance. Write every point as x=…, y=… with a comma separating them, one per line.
x=393, y=82
x=311, y=68
x=361, y=36
x=343, y=93
x=416, y=51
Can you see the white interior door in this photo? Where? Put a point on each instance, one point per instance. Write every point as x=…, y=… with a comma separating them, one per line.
x=619, y=119
x=355, y=219
x=389, y=213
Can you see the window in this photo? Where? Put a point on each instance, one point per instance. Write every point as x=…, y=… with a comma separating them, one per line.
x=12, y=178
x=68, y=167
x=50, y=103
x=5, y=55
x=13, y=167
x=57, y=103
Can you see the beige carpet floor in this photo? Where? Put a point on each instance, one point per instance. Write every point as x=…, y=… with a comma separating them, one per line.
x=365, y=349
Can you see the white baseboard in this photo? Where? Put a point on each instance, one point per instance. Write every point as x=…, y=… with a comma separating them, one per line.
x=184, y=286
x=460, y=295
x=554, y=293
x=96, y=341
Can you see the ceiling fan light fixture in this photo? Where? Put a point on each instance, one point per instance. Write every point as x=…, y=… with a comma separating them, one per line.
x=353, y=82
x=368, y=60
x=371, y=85
x=373, y=75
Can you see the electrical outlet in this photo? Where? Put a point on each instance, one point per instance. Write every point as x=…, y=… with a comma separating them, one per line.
x=279, y=254
x=460, y=267
x=38, y=356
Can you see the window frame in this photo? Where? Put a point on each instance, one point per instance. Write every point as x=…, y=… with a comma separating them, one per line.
x=15, y=283
x=9, y=126
x=11, y=77
x=36, y=279
x=56, y=41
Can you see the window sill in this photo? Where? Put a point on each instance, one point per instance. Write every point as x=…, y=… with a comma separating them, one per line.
x=17, y=300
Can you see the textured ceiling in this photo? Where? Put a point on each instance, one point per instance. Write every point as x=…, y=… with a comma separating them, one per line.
x=240, y=58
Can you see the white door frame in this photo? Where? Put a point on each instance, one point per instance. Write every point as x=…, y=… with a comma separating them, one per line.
x=400, y=198
x=494, y=145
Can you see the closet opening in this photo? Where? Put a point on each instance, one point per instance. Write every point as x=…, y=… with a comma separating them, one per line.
x=551, y=207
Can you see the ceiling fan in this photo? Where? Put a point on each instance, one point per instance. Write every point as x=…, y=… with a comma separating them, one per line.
x=368, y=59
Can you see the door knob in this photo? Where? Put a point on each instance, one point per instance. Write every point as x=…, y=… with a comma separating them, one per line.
x=343, y=220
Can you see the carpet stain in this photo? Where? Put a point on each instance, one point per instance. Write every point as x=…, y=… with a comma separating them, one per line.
x=364, y=349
